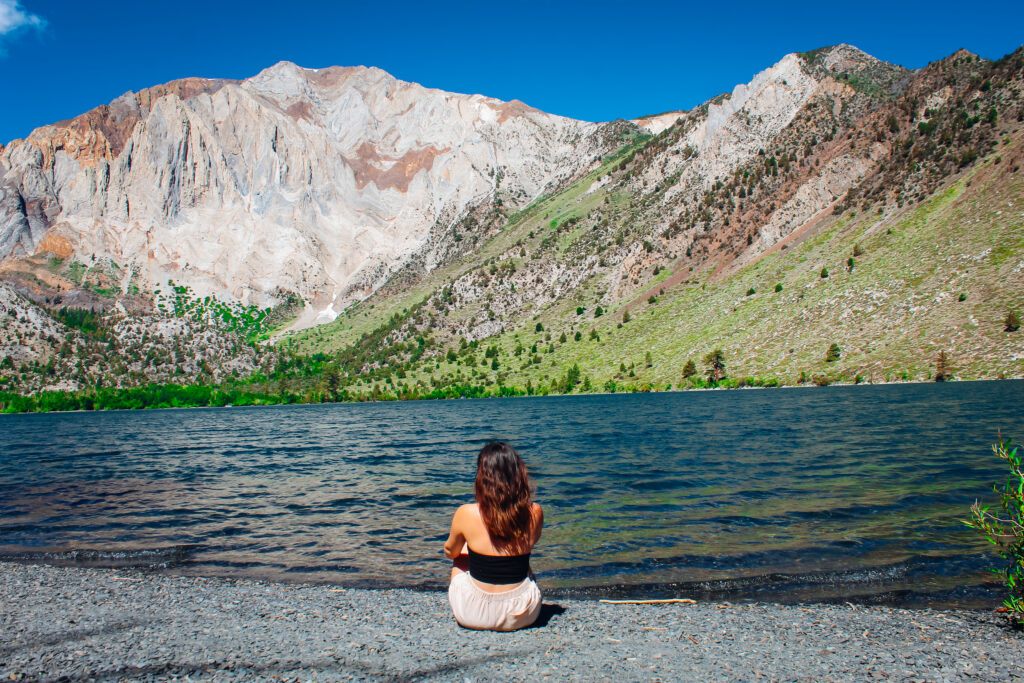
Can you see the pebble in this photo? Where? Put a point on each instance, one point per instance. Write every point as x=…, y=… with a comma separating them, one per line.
x=81, y=624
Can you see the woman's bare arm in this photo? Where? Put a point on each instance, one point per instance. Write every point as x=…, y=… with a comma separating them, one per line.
x=538, y=521
x=456, y=538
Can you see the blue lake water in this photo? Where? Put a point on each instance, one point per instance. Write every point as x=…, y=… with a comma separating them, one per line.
x=837, y=493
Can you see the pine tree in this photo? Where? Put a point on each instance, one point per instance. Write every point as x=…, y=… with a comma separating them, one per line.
x=715, y=362
x=1012, y=321
x=332, y=378
x=833, y=353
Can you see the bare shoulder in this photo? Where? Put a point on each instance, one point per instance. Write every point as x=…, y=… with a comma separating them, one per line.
x=467, y=512
x=537, y=512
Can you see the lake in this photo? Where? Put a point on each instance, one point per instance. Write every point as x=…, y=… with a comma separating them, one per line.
x=831, y=493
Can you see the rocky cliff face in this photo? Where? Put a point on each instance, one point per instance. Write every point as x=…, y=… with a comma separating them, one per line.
x=314, y=181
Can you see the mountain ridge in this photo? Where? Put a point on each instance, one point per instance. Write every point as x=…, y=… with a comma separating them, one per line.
x=345, y=181
x=817, y=150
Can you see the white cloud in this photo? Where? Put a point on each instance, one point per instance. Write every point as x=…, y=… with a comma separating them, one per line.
x=13, y=17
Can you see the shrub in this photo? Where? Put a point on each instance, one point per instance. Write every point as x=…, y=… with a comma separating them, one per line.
x=962, y=297
x=778, y=287
x=690, y=369
x=1012, y=321
x=651, y=299
x=751, y=292
x=598, y=312
x=833, y=353
x=579, y=310
x=824, y=273
x=625, y=317
x=539, y=328
x=850, y=263
x=857, y=250
x=577, y=336
x=1006, y=532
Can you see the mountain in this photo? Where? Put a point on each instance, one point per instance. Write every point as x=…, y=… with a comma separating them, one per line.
x=317, y=182
x=419, y=242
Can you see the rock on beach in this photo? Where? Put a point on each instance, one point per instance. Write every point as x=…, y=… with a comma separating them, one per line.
x=72, y=624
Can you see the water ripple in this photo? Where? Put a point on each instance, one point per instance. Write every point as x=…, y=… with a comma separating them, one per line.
x=860, y=488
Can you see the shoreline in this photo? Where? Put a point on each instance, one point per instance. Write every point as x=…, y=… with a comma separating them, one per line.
x=74, y=623
x=821, y=587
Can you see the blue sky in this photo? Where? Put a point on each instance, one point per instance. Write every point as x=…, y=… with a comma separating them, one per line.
x=593, y=60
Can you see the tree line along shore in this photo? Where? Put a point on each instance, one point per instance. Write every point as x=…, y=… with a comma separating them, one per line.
x=203, y=396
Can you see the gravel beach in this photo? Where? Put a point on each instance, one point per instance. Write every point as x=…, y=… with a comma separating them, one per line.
x=96, y=624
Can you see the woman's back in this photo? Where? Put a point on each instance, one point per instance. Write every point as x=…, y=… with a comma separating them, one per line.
x=492, y=586
x=478, y=538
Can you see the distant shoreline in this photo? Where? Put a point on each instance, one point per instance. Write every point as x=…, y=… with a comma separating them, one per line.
x=5, y=398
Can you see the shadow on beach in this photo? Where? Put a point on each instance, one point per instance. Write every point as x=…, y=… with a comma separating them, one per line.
x=547, y=610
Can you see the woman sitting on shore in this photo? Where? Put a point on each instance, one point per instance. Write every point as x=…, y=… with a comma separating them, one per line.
x=492, y=586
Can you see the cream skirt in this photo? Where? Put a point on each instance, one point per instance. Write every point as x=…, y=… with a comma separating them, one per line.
x=509, y=610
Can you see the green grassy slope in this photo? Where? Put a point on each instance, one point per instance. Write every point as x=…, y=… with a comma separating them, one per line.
x=891, y=315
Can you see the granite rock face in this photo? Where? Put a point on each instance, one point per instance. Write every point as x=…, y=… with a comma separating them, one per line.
x=314, y=181
x=327, y=182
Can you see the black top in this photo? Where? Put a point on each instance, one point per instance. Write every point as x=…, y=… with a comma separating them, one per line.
x=499, y=569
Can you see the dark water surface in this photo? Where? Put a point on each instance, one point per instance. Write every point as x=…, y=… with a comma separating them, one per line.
x=838, y=493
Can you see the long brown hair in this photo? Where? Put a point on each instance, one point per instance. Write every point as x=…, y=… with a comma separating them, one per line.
x=503, y=493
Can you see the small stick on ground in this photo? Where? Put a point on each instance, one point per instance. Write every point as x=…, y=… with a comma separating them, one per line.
x=665, y=601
